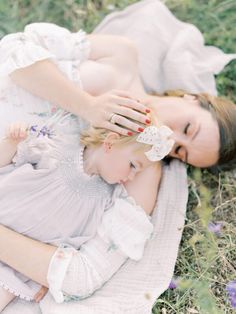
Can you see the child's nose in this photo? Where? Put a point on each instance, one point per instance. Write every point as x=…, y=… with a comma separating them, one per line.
x=131, y=176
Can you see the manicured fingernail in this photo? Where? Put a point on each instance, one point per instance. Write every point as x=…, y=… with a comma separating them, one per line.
x=148, y=121
x=140, y=129
x=148, y=110
x=130, y=133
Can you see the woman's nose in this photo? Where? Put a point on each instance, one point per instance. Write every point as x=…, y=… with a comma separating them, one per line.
x=180, y=139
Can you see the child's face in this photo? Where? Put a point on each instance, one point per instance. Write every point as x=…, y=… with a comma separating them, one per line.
x=120, y=163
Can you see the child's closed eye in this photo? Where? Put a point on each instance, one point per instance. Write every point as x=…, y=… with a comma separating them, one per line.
x=132, y=165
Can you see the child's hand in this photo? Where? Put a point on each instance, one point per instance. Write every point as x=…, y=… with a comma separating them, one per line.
x=17, y=131
x=40, y=294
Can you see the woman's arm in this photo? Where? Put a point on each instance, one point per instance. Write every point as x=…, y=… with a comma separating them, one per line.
x=144, y=188
x=45, y=80
x=29, y=257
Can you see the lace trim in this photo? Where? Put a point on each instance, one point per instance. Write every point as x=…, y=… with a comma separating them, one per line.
x=17, y=294
x=81, y=159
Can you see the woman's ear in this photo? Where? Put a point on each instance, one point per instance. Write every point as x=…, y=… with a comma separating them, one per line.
x=109, y=141
x=191, y=99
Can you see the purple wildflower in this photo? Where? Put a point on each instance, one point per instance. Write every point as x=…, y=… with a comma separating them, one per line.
x=45, y=132
x=33, y=128
x=231, y=289
x=215, y=227
x=173, y=284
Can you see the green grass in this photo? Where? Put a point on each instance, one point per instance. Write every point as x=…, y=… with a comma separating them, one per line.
x=206, y=263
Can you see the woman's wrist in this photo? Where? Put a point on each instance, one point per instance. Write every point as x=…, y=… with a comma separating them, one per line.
x=82, y=104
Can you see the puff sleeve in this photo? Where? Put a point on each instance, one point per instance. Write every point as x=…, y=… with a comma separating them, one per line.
x=123, y=233
x=41, y=41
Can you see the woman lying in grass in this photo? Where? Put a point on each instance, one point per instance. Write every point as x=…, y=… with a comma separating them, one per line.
x=202, y=134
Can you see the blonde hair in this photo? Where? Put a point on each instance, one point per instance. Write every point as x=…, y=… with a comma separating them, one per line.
x=96, y=136
x=224, y=112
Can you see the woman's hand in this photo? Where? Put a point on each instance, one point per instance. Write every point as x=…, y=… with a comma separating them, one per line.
x=117, y=111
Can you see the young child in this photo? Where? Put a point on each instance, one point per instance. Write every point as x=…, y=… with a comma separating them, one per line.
x=62, y=184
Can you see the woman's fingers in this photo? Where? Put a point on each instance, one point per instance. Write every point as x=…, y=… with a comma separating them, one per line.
x=133, y=115
x=118, y=129
x=127, y=123
x=118, y=112
x=131, y=101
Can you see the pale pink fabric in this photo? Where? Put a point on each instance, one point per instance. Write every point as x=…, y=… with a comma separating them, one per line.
x=172, y=54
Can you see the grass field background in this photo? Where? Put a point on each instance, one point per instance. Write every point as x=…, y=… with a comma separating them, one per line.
x=206, y=261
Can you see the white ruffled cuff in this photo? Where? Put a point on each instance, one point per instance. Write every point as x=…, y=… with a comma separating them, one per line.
x=57, y=271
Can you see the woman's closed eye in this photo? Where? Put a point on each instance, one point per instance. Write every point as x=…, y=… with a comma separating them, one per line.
x=177, y=149
x=181, y=152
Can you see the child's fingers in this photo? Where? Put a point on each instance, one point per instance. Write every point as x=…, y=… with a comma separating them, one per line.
x=20, y=130
x=17, y=130
x=40, y=294
x=12, y=129
x=23, y=130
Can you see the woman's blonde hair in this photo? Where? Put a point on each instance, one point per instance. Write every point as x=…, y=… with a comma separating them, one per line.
x=224, y=112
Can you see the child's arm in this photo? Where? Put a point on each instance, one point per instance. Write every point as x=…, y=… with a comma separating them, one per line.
x=16, y=133
x=5, y=298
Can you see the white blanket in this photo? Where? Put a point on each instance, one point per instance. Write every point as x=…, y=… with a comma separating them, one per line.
x=172, y=55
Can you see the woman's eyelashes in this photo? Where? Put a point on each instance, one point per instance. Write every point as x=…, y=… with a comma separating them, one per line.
x=178, y=149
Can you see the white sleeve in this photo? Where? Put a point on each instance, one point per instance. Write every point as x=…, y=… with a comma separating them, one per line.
x=41, y=41
x=76, y=274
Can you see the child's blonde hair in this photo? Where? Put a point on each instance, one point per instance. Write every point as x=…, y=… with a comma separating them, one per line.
x=96, y=136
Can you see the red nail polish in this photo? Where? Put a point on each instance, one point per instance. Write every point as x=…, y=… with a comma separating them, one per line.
x=147, y=121
x=130, y=133
x=148, y=110
x=140, y=129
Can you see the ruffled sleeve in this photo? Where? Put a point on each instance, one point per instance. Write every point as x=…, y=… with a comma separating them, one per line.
x=41, y=41
x=123, y=233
